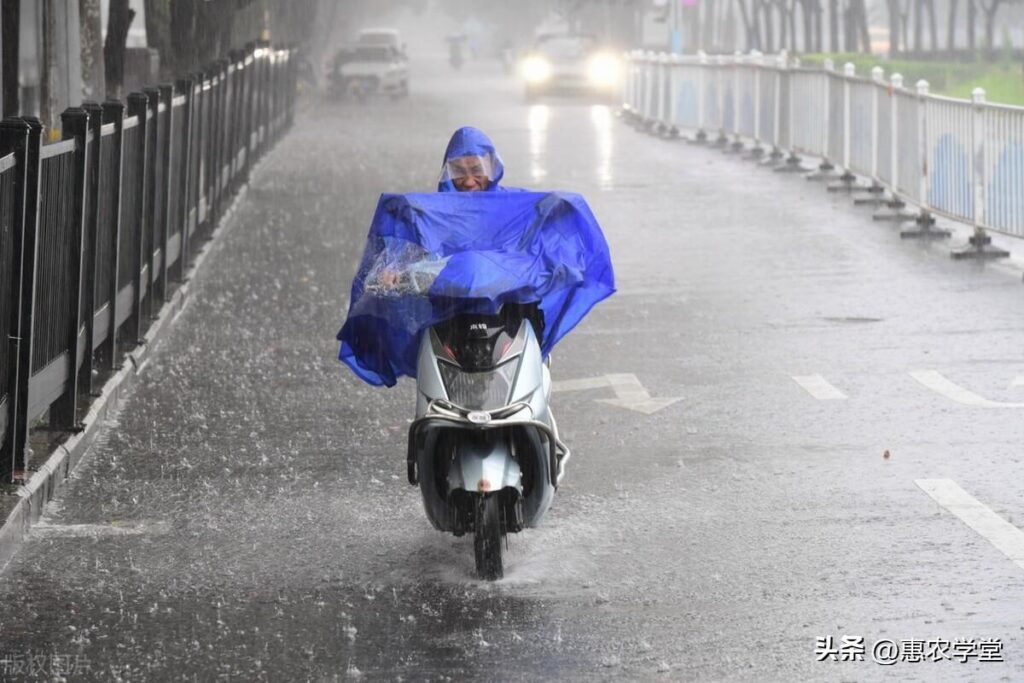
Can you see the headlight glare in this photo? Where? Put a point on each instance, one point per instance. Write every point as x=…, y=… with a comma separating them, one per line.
x=604, y=70
x=535, y=69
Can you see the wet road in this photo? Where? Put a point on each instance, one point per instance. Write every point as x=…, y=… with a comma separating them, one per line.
x=247, y=518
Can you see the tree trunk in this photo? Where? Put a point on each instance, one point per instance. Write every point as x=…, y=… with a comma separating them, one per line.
x=951, y=27
x=791, y=18
x=905, y=24
x=769, y=25
x=833, y=25
x=918, y=27
x=748, y=25
x=805, y=12
x=849, y=27
x=819, y=27
x=990, y=24
x=972, y=25
x=118, y=20
x=93, y=69
x=10, y=15
x=894, y=27
x=933, y=30
x=862, y=26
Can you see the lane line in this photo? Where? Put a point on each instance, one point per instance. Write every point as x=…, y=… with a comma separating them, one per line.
x=45, y=530
x=934, y=380
x=996, y=530
x=819, y=387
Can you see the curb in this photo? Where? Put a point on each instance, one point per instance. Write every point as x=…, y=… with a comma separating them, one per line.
x=47, y=482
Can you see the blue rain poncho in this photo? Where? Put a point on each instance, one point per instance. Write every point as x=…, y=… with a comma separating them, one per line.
x=431, y=256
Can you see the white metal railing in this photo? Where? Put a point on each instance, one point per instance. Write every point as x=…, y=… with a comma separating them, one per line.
x=963, y=159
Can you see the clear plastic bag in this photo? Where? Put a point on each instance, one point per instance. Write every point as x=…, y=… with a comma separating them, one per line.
x=402, y=269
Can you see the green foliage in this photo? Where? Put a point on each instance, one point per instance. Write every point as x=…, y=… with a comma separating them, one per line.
x=1003, y=81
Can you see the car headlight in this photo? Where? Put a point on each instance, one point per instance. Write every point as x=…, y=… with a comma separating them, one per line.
x=604, y=70
x=535, y=69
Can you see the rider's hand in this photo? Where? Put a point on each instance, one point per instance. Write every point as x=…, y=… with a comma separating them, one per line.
x=389, y=278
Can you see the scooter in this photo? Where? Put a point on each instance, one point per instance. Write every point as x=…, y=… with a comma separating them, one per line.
x=484, y=447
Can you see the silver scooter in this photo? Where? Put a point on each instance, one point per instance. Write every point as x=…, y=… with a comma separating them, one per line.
x=484, y=447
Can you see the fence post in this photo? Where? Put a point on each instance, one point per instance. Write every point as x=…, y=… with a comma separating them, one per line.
x=979, y=245
x=737, y=143
x=780, y=73
x=184, y=86
x=64, y=411
x=895, y=203
x=138, y=106
x=113, y=112
x=155, y=193
x=17, y=136
x=673, y=77
x=825, y=168
x=722, y=140
x=847, y=179
x=93, y=188
x=925, y=220
x=757, y=63
x=979, y=157
x=702, y=71
x=166, y=159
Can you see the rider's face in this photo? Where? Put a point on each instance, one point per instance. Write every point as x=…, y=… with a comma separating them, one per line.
x=469, y=174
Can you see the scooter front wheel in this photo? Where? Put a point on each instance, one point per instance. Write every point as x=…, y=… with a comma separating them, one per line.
x=487, y=537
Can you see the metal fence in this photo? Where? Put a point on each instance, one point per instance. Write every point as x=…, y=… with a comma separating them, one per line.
x=963, y=159
x=96, y=227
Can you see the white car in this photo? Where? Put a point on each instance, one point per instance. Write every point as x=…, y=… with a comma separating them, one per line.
x=570, y=64
x=367, y=69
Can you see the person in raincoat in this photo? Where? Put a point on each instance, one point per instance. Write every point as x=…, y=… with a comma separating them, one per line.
x=471, y=163
x=431, y=256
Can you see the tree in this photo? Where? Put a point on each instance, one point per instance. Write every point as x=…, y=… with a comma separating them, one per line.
x=990, y=9
x=894, y=26
x=119, y=19
x=951, y=26
x=10, y=16
x=92, y=49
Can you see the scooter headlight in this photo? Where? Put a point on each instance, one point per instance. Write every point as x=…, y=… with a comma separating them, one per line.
x=486, y=390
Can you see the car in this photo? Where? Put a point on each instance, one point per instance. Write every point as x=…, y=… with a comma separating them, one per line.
x=569, y=63
x=368, y=68
x=388, y=37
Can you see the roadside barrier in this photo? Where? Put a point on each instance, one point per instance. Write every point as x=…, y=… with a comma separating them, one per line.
x=95, y=230
x=961, y=159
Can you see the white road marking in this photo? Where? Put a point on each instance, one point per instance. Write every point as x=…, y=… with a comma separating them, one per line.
x=819, y=387
x=629, y=392
x=1018, y=381
x=45, y=530
x=940, y=385
x=996, y=530
x=580, y=384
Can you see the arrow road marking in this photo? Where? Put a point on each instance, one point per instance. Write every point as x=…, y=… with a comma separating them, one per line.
x=629, y=392
x=939, y=384
x=996, y=530
x=819, y=387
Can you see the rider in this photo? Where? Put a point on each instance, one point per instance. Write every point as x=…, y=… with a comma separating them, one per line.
x=471, y=163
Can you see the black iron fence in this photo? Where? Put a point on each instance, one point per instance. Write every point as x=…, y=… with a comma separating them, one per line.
x=96, y=228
